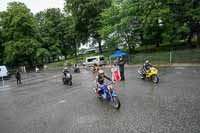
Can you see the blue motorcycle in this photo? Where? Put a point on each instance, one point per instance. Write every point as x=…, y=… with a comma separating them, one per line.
x=108, y=94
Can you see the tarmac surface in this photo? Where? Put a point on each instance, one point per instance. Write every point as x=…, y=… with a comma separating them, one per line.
x=42, y=104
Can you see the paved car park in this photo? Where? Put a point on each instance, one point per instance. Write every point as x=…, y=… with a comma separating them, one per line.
x=42, y=104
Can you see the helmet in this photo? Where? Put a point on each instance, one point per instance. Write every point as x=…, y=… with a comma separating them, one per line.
x=146, y=61
x=65, y=68
x=101, y=73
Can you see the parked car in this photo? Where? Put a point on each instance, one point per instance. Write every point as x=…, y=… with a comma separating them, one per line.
x=4, y=73
x=99, y=60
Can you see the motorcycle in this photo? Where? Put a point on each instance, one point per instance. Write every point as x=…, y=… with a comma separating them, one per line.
x=76, y=70
x=67, y=79
x=151, y=74
x=108, y=94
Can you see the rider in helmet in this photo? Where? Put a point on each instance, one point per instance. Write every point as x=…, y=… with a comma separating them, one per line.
x=100, y=80
x=101, y=76
x=65, y=71
x=76, y=68
x=146, y=66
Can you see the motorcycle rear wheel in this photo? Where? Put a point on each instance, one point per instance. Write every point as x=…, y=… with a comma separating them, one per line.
x=70, y=83
x=63, y=80
x=116, y=103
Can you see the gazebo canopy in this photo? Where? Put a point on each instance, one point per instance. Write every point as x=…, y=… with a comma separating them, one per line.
x=118, y=53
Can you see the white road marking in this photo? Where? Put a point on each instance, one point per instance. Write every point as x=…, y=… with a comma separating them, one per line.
x=5, y=88
x=62, y=101
x=180, y=68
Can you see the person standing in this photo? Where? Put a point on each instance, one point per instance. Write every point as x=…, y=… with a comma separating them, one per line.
x=37, y=69
x=18, y=77
x=121, y=63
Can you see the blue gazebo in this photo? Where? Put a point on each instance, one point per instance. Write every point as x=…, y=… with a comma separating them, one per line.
x=118, y=53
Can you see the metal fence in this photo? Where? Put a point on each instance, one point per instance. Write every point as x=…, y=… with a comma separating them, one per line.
x=167, y=57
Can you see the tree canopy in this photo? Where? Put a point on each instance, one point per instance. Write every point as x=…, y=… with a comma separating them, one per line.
x=30, y=39
x=150, y=21
x=19, y=33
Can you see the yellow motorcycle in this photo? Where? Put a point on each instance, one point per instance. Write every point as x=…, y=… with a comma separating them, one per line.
x=151, y=74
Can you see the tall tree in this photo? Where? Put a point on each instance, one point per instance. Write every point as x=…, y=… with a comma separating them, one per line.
x=71, y=36
x=122, y=21
x=86, y=17
x=1, y=46
x=187, y=15
x=51, y=30
x=19, y=34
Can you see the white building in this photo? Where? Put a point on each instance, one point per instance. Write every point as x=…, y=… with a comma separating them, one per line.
x=91, y=44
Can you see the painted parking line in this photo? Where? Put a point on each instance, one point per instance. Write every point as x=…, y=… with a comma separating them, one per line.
x=62, y=101
x=5, y=88
x=38, y=77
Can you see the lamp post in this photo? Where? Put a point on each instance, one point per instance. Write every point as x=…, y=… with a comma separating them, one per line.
x=160, y=23
x=173, y=8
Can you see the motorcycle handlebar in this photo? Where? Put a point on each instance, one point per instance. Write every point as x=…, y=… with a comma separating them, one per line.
x=110, y=83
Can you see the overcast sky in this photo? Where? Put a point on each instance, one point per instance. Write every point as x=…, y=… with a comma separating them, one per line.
x=35, y=5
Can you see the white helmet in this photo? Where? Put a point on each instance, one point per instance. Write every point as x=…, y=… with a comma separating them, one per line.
x=147, y=61
x=101, y=71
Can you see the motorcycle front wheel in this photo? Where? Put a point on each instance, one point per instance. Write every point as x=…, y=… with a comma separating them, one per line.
x=70, y=83
x=155, y=79
x=63, y=80
x=116, y=103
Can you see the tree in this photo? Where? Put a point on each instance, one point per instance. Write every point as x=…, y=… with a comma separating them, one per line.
x=86, y=18
x=42, y=55
x=94, y=25
x=180, y=18
x=153, y=13
x=71, y=36
x=19, y=34
x=21, y=52
x=1, y=47
x=121, y=21
x=51, y=29
x=187, y=15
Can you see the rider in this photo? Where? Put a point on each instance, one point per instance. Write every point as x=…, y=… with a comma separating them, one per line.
x=146, y=66
x=66, y=71
x=76, y=67
x=100, y=80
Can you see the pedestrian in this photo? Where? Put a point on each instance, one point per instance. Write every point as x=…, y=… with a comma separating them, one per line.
x=18, y=77
x=121, y=63
x=36, y=69
x=45, y=67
